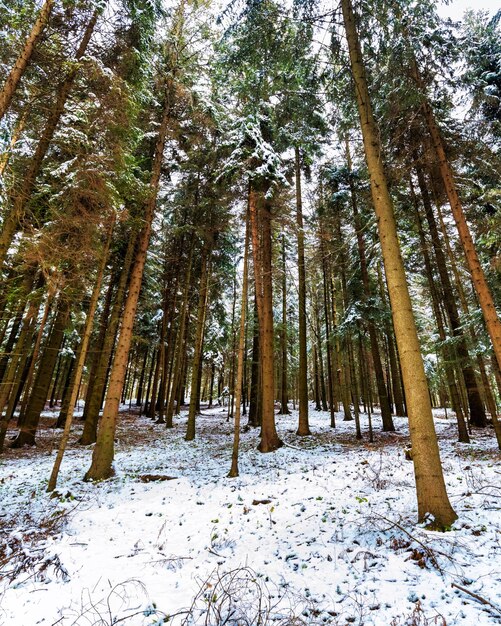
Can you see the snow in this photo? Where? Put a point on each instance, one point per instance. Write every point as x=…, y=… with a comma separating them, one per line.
x=323, y=529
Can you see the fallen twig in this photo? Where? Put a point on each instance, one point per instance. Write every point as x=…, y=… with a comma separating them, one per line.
x=477, y=597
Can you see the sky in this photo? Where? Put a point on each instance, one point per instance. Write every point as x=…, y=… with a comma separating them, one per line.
x=456, y=8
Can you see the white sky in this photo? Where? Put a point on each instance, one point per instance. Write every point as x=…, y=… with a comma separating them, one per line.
x=455, y=8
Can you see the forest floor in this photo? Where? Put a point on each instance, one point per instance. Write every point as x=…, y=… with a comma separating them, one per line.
x=323, y=531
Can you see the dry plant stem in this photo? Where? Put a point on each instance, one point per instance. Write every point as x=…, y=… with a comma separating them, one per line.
x=477, y=597
x=82, y=354
x=23, y=59
x=430, y=485
x=241, y=346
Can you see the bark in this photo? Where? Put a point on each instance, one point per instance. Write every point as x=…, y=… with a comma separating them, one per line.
x=41, y=386
x=4, y=158
x=254, y=401
x=17, y=364
x=260, y=217
x=179, y=349
x=477, y=413
x=328, y=338
x=103, y=453
x=93, y=403
x=34, y=356
x=99, y=342
x=241, y=350
x=303, y=425
x=430, y=485
x=199, y=335
x=486, y=301
x=80, y=362
x=376, y=355
x=22, y=197
x=284, y=400
x=24, y=57
x=449, y=373
x=395, y=373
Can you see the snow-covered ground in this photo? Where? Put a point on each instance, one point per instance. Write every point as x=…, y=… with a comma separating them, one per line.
x=323, y=530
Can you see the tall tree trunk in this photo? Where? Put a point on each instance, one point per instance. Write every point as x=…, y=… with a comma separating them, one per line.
x=98, y=344
x=24, y=57
x=241, y=349
x=477, y=413
x=430, y=485
x=492, y=321
x=23, y=195
x=197, y=356
x=376, y=356
x=449, y=372
x=260, y=217
x=43, y=378
x=284, y=400
x=80, y=362
x=179, y=346
x=17, y=364
x=303, y=425
x=4, y=158
x=328, y=338
x=254, y=400
x=93, y=403
x=104, y=451
x=395, y=373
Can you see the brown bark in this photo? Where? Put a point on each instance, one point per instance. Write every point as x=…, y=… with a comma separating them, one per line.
x=39, y=393
x=24, y=57
x=16, y=365
x=260, y=217
x=284, y=400
x=80, y=362
x=430, y=485
x=303, y=425
x=449, y=373
x=241, y=348
x=492, y=321
x=199, y=335
x=179, y=346
x=93, y=403
x=376, y=356
x=103, y=453
x=20, y=200
x=255, y=407
x=477, y=413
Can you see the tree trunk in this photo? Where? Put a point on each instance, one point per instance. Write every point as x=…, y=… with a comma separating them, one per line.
x=430, y=485
x=303, y=425
x=93, y=403
x=24, y=57
x=449, y=372
x=80, y=362
x=284, y=400
x=484, y=295
x=17, y=364
x=260, y=217
x=197, y=356
x=43, y=378
x=241, y=349
x=376, y=356
x=103, y=453
x=22, y=197
x=477, y=413
x=254, y=400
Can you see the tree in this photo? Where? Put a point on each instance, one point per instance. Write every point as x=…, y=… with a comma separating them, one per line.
x=430, y=485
